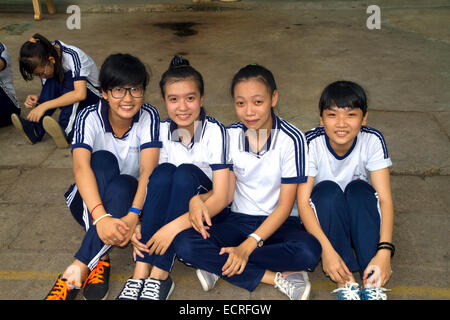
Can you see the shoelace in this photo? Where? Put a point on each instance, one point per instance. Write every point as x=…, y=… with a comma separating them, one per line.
x=375, y=293
x=283, y=285
x=131, y=290
x=59, y=291
x=349, y=292
x=151, y=289
x=96, y=275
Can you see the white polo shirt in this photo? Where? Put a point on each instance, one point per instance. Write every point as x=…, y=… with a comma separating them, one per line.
x=207, y=149
x=6, y=76
x=81, y=65
x=93, y=131
x=259, y=175
x=368, y=153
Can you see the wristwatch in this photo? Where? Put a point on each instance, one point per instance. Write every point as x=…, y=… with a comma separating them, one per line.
x=258, y=239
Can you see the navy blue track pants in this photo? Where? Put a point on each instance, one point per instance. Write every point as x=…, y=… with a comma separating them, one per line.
x=169, y=191
x=290, y=248
x=117, y=192
x=350, y=219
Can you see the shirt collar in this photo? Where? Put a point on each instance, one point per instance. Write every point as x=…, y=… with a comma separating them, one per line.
x=270, y=143
x=173, y=129
x=104, y=105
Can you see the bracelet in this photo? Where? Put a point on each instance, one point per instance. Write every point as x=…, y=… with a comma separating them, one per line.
x=135, y=210
x=388, y=246
x=103, y=216
x=100, y=204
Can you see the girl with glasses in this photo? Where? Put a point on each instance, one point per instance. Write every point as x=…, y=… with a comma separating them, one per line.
x=115, y=149
x=69, y=80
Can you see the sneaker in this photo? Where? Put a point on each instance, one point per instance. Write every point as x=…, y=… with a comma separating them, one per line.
x=96, y=286
x=25, y=127
x=61, y=291
x=295, y=285
x=53, y=128
x=349, y=292
x=373, y=294
x=207, y=279
x=131, y=290
x=157, y=289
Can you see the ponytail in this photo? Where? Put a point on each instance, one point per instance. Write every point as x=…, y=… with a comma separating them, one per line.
x=37, y=52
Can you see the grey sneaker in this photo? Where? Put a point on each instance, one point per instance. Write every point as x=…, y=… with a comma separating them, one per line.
x=131, y=290
x=157, y=289
x=207, y=279
x=295, y=285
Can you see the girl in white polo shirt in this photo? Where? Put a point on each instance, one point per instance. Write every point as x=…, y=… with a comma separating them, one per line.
x=192, y=178
x=69, y=81
x=258, y=241
x=115, y=149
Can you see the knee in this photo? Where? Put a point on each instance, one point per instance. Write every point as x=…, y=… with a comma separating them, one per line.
x=358, y=189
x=103, y=161
x=307, y=252
x=183, y=176
x=123, y=186
x=183, y=245
x=327, y=194
x=161, y=176
x=327, y=189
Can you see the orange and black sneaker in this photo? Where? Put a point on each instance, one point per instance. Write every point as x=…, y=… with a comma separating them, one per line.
x=61, y=291
x=96, y=286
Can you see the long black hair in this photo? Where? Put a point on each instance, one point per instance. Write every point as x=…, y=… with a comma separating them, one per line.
x=180, y=69
x=37, y=52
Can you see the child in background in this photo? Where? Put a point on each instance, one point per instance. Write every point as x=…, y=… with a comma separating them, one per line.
x=115, y=149
x=69, y=81
x=347, y=201
x=258, y=241
x=8, y=99
x=191, y=180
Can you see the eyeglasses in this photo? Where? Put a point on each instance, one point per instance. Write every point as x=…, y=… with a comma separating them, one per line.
x=42, y=74
x=120, y=92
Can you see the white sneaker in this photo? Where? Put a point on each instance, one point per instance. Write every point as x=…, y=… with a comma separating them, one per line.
x=295, y=285
x=207, y=279
x=350, y=291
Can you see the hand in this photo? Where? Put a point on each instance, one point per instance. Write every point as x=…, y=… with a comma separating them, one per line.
x=198, y=213
x=111, y=230
x=237, y=258
x=138, y=246
x=161, y=239
x=379, y=269
x=335, y=267
x=37, y=113
x=131, y=220
x=31, y=100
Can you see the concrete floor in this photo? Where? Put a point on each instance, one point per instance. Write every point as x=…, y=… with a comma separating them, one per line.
x=404, y=68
